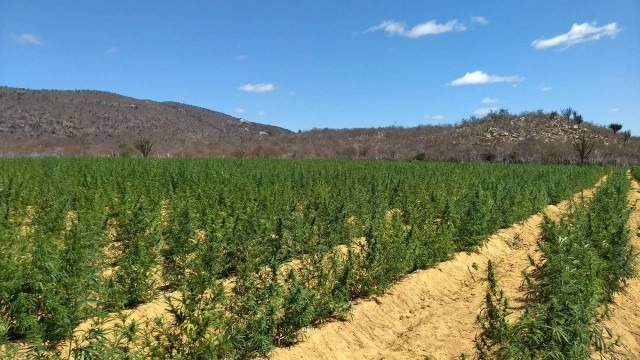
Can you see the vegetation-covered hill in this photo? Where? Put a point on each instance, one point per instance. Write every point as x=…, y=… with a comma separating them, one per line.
x=528, y=137
x=48, y=122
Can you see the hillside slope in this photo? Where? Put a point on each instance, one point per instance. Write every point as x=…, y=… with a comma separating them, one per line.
x=529, y=137
x=72, y=122
x=49, y=122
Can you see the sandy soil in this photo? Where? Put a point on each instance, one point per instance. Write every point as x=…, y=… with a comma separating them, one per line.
x=625, y=317
x=431, y=312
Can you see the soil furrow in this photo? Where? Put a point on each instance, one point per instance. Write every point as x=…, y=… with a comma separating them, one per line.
x=625, y=314
x=431, y=312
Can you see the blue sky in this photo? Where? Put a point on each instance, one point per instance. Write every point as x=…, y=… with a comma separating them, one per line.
x=338, y=64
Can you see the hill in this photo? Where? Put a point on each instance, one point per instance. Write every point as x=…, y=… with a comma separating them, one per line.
x=50, y=122
x=529, y=137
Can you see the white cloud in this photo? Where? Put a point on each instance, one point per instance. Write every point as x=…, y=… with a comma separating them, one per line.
x=390, y=26
x=545, y=88
x=433, y=28
x=112, y=50
x=240, y=110
x=262, y=113
x=579, y=33
x=258, y=88
x=30, y=39
x=481, y=78
x=613, y=109
x=480, y=20
x=489, y=100
x=396, y=28
x=434, y=117
x=241, y=57
x=483, y=111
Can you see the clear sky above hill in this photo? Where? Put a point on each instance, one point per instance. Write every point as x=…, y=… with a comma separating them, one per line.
x=337, y=64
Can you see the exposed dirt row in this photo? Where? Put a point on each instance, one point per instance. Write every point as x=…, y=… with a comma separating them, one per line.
x=431, y=313
x=144, y=314
x=625, y=309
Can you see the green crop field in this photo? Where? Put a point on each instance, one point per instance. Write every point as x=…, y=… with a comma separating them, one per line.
x=245, y=253
x=586, y=258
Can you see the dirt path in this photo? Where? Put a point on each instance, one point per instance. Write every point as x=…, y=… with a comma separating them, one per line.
x=625, y=319
x=430, y=312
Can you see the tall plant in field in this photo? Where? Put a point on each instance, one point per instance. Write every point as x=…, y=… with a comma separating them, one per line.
x=494, y=327
x=197, y=327
x=47, y=289
x=137, y=238
x=474, y=220
x=297, y=311
x=179, y=240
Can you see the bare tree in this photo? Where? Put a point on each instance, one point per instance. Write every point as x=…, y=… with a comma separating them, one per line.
x=577, y=118
x=583, y=145
x=615, y=127
x=567, y=112
x=626, y=135
x=144, y=145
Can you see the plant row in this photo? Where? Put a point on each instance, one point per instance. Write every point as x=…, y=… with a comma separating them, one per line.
x=84, y=238
x=635, y=171
x=586, y=258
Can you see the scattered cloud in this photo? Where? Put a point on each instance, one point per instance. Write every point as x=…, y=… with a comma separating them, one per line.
x=480, y=20
x=27, y=39
x=396, y=28
x=112, y=50
x=483, y=111
x=489, y=100
x=434, y=117
x=613, y=110
x=481, y=78
x=240, y=110
x=579, y=33
x=241, y=57
x=258, y=88
x=390, y=26
x=262, y=113
x=545, y=88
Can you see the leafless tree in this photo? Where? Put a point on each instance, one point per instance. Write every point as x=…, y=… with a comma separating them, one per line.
x=583, y=145
x=577, y=118
x=626, y=135
x=567, y=112
x=144, y=145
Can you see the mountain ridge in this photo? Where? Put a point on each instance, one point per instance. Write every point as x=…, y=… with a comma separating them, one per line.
x=59, y=121
x=96, y=123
